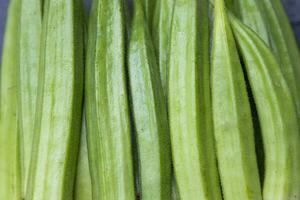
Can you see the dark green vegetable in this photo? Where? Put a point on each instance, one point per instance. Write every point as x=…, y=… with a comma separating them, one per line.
x=232, y=116
x=277, y=115
x=59, y=104
x=10, y=165
x=108, y=125
x=149, y=112
x=189, y=103
x=161, y=37
x=30, y=39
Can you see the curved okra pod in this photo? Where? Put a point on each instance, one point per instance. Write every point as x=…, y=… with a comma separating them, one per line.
x=232, y=116
x=277, y=115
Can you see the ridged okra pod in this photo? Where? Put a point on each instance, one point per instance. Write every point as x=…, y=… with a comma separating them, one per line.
x=59, y=103
x=107, y=110
x=231, y=115
x=30, y=43
x=149, y=112
x=10, y=165
x=277, y=115
x=161, y=32
x=189, y=103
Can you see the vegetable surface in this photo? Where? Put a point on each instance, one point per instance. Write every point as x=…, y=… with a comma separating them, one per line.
x=277, y=115
x=30, y=39
x=107, y=113
x=149, y=112
x=232, y=116
x=189, y=103
x=59, y=104
x=10, y=165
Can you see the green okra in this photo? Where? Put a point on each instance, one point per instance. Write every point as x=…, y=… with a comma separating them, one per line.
x=30, y=39
x=231, y=115
x=59, y=103
x=189, y=103
x=83, y=184
x=149, y=112
x=107, y=110
x=161, y=31
x=149, y=9
x=10, y=165
x=277, y=115
x=284, y=46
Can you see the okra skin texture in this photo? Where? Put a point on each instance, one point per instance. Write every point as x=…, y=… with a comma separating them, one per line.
x=149, y=112
x=83, y=184
x=161, y=28
x=189, y=103
x=107, y=110
x=10, y=165
x=277, y=115
x=232, y=116
x=284, y=46
x=59, y=103
x=30, y=37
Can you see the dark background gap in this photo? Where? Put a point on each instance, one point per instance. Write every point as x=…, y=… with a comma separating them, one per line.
x=292, y=7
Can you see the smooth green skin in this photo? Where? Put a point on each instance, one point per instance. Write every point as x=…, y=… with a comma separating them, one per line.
x=149, y=112
x=83, y=184
x=10, y=165
x=107, y=112
x=30, y=34
x=161, y=31
x=232, y=116
x=284, y=46
x=190, y=104
x=277, y=115
x=59, y=103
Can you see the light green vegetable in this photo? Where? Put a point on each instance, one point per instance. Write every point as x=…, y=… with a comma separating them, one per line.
x=30, y=38
x=232, y=115
x=59, y=104
x=107, y=112
x=277, y=115
x=190, y=104
x=83, y=185
x=284, y=46
x=161, y=32
x=149, y=112
x=10, y=165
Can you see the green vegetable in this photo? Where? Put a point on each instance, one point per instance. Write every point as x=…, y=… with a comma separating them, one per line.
x=59, y=103
x=149, y=112
x=277, y=115
x=83, y=185
x=161, y=37
x=30, y=38
x=10, y=165
x=149, y=9
x=284, y=46
x=232, y=115
x=107, y=112
x=190, y=103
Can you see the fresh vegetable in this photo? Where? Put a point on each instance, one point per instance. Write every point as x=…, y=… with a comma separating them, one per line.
x=10, y=162
x=59, y=103
x=190, y=104
x=149, y=112
x=161, y=37
x=30, y=39
x=277, y=115
x=83, y=185
x=107, y=112
x=149, y=9
x=231, y=115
